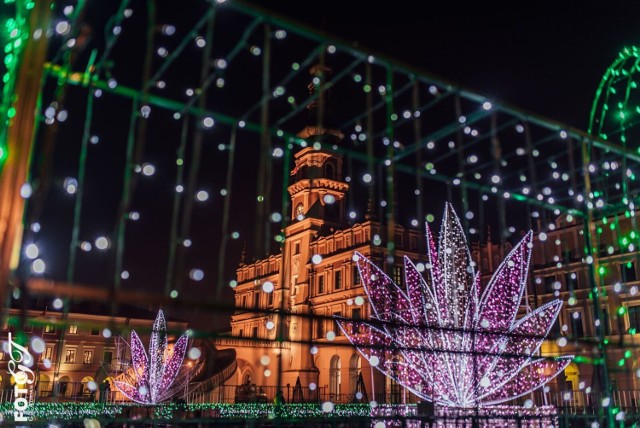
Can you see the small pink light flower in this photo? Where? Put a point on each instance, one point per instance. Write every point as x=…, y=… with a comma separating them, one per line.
x=151, y=379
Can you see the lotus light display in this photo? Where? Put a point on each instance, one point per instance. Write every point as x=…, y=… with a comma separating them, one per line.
x=154, y=378
x=448, y=339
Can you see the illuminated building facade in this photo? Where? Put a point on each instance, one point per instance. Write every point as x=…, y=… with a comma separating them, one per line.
x=560, y=269
x=313, y=279
x=78, y=350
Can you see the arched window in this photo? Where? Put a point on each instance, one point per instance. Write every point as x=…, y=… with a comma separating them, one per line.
x=65, y=386
x=84, y=385
x=355, y=367
x=45, y=385
x=246, y=377
x=335, y=380
x=329, y=171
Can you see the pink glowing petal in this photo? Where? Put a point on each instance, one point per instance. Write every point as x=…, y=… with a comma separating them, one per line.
x=456, y=270
x=385, y=297
x=501, y=299
x=157, y=349
x=516, y=349
x=139, y=360
x=473, y=303
x=131, y=392
x=434, y=275
x=423, y=303
x=172, y=366
x=530, y=378
x=467, y=361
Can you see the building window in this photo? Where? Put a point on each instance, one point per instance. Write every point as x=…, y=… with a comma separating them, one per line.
x=241, y=333
x=296, y=248
x=107, y=357
x=548, y=283
x=336, y=327
x=73, y=329
x=335, y=378
x=414, y=243
x=355, y=370
x=320, y=329
x=398, y=275
x=70, y=356
x=571, y=280
x=356, y=275
x=634, y=317
x=320, y=284
x=87, y=357
x=49, y=328
x=554, y=332
x=244, y=302
x=47, y=354
x=628, y=272
x=255, y=333
x=270, y=298
x=356, y=315
x=337, y=280
x=95, y=331
x=577, y=328
x=604, y=322
x=256, y=300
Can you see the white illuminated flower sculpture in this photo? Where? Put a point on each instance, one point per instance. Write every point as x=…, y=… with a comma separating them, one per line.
x=449, y=341
x=152, y=378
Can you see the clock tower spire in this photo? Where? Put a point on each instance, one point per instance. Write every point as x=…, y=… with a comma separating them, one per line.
x=318, y=190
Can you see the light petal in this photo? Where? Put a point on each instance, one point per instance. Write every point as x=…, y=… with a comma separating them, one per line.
x=132, y=392
x=424, y=308
x=530, y=378
x=514, y=351
x=157, y=349
x=385, y=297
x=139, y=361
x=434, y=276
x=456, y=270
x=501, y=299
x=172, y=367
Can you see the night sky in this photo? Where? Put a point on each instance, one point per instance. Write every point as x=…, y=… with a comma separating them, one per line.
x=547, y=58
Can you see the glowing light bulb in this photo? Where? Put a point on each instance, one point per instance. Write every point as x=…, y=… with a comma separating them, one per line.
x=208, y=122
x=38, y=266
x=202, y=195
x=194, y=353
x=62, y=28
x=26, y=191
x=196, y=274
x=70, y=185
x=32, y=251
x=148, y=169
x=102, y=243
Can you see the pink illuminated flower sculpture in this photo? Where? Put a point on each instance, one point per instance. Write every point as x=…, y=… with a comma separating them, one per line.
x=446, y=338
x=151, y=378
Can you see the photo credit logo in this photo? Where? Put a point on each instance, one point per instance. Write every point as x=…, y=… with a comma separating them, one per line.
x=23, y=376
